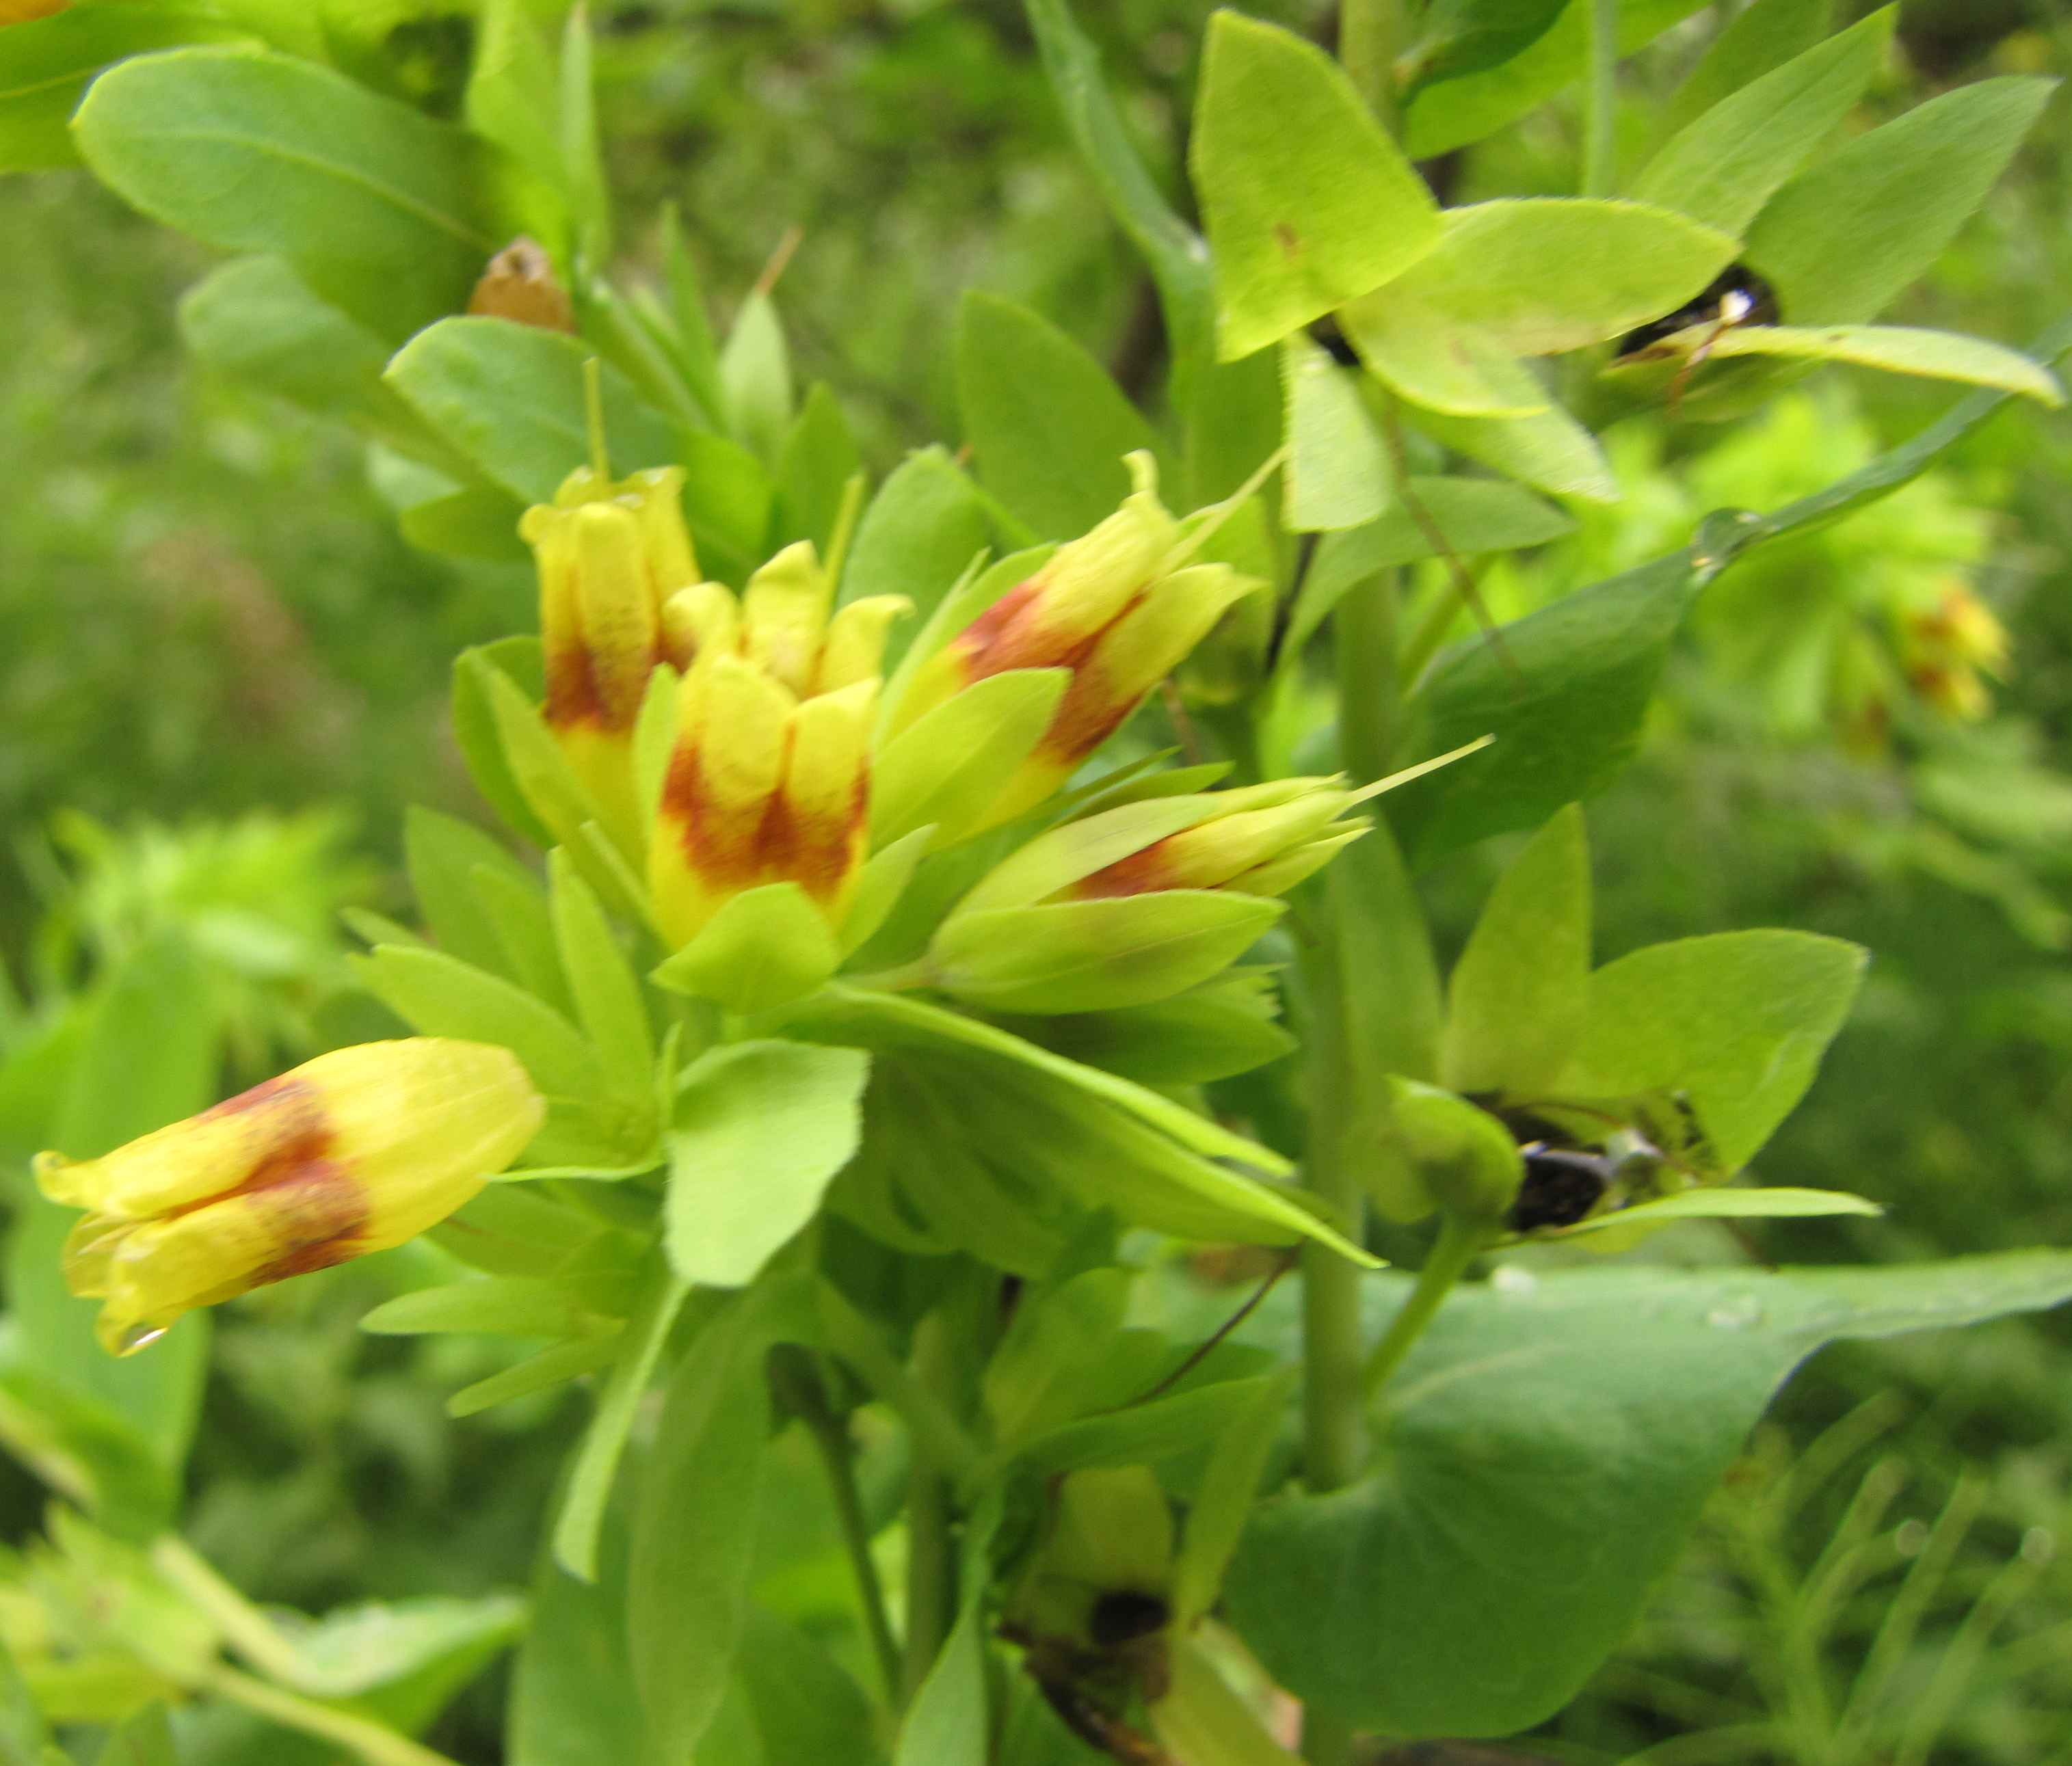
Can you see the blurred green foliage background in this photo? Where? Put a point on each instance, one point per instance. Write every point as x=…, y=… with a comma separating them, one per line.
x=204, y=608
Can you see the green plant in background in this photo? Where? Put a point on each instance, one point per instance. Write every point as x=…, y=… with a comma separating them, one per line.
x=878, y=1009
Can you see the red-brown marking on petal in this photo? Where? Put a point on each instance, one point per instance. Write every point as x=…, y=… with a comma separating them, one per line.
x=283, y=1093
x=319, y=1212
x=1141, y=873
x=728, y=854
x=1087, y=716
x=576, y=696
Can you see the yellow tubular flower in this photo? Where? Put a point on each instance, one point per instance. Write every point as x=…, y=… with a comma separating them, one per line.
x=1113, y=609
x=354, y=1151
x=615, y=561
x=769, y=777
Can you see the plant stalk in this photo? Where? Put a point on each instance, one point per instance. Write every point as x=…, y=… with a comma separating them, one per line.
x=376, y=1745
x=1600, y=162
x=1459, y=1242
x=931, y=1551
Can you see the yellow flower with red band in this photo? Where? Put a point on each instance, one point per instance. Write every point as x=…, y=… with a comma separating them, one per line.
x=354, y=1151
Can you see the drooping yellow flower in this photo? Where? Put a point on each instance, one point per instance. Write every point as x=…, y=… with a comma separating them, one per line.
x=354, y=1151
x=769, y=777
x=611, y=554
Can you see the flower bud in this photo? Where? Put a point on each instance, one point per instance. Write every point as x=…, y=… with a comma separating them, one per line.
x=1140, y=903
x=769, y=775
x=1465, y=1158
x=1947, y=648
x=1110, y=607
x=354, y=1151
x=612, y=558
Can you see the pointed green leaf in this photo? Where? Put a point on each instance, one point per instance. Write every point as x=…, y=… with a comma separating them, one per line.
x=1337, y=473
x=1461, y=37
x=1723, y=167
x=1048, y=425
x=512, y=96
x=761, y=1129
x=496, y=1306
x=1422, y=353
x=582, y=148
x=765, y=948
x=1517, y=1000
x=946, y=768
x=1549, y=449
x=442, y=853
x=755, y=375
x=480, y=741
x=1308, y=202
x=916, y=537
x=1765, y=35
x=814, y=468
x=1841, y=240
x=1738, y=1021
x=884, y=876
x=1223, y=1502
x=551, y=1367
x=1767, y=1203
x=607, y=992
x=1943, y=356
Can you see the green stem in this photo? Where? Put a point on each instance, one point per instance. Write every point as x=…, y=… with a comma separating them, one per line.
x=376, y=1745
x=1369, y=689
x=1334, y=1436
x=1459, y=1242
x=938, y=1437
x=1372, y=35
x=837, y=1452
x=1599, y=164
x=930, y=1551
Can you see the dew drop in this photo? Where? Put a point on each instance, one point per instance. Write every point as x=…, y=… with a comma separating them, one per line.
x=2039, y=1545
x=1735, y=1315
x=139, y=1337
x=1909, y=1539
x=1509, y=1278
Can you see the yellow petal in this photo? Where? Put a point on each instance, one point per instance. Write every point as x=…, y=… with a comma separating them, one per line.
x=619, y=611
x=784, y=612
x=855, y=646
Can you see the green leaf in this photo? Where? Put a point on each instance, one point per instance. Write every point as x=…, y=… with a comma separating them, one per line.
x=510, y=399
x=1462, y=37
x=1451, y=115
x=1765, y=35
x=1421, y=353
x=693, y=1544
x=1536, y=276
x=477, y=737
x=582, y=144
x=755, y=375
x=883, y=881
x=1212, y=1032
x=1518, y=1000
x=88, y=1453
x=807, y=1709
x=1180, y=1425
x=1202, y=1720
x=1767, y=1203
x=1473, y=515
x=573, y=1701
x=814, y=466
x=517, y=908
x=144, y=1739
x=948, y=1723
x=255, y=319
x=766, y=947
x=1095, y=955
x=1723, y=167
x=761, y=1129
x=579, y=1524
x=45, y=64
x=1048, y=427
x=1308, y=202
x=440, y=995
x=607, y=992
x=1034, y=1379
x=372, y=201
x=976, y=588
x=917, y=535
x=1222, y=1503
x=697, y=353
x=1566, y=711
x=494, y=1306
x=511, y=97
x=946, y=769
x=1841, y=240
x=1173, y=251
x=727, y=497
x=149, y=1056
x=1547, y=1446
x=553, y=1366
x=1738, y=1020
x=1337, y=472
x=1548, y=449
x=887, y=1020
x=1943, y=356
x=441, y=854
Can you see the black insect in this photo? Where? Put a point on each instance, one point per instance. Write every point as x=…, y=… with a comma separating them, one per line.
x=1325, y=334
x=1561, y=1187
x=1737, y=296
x=1122, y=1615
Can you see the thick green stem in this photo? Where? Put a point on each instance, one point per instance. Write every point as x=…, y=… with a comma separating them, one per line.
x=1599, y=162
x=1458, y=1244
x=1333, y=1433
x=930, y=1549
x=1370, y=691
